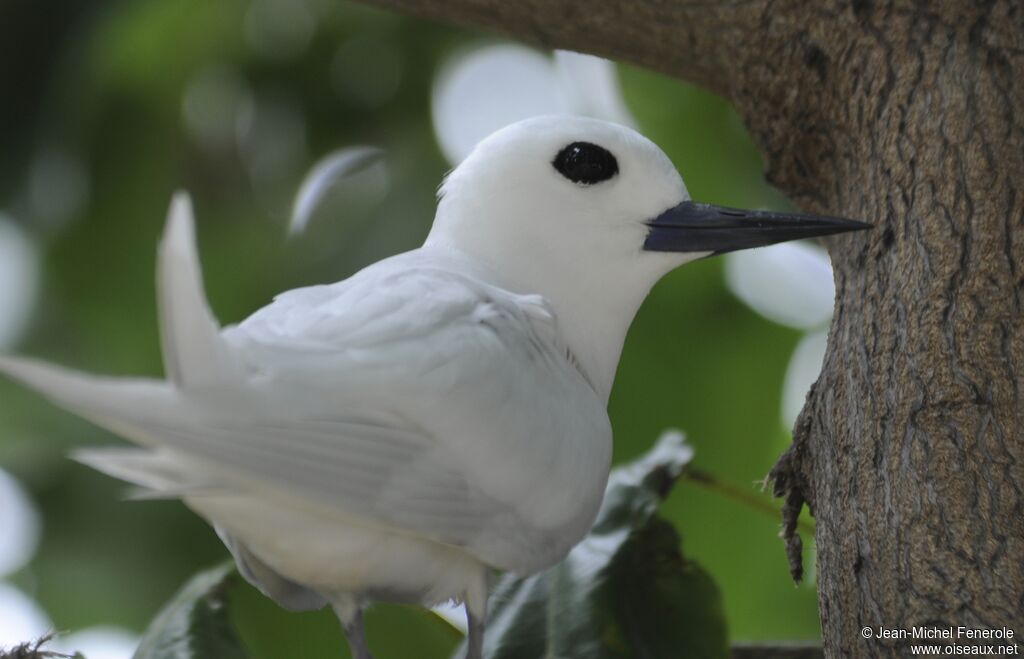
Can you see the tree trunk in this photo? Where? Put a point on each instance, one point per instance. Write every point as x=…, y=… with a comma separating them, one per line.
x=909, y=450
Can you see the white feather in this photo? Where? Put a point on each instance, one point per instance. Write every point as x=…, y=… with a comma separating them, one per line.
x=159, y=474
x=127, y=406
x=194, y=354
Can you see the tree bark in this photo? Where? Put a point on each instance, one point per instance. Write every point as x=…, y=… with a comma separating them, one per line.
x=909, y=450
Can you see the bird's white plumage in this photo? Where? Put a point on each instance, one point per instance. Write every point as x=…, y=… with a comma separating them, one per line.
x=441, y=413
x=373, y=398
x=405, y=352
x=194, y=356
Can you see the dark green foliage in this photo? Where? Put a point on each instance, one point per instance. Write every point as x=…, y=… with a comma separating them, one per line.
x=195, y=624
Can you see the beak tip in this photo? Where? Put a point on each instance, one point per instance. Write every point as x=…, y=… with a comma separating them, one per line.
x=847, y=225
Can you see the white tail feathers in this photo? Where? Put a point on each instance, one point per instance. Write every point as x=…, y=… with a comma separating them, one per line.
x=195, y=355
x=149, y=411
x=158, y=474
x=132, y=407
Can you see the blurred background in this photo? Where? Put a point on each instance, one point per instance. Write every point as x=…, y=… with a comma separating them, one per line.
x=262, y=109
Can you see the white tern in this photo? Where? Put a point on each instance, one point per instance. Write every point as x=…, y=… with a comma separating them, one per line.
x=441, y=414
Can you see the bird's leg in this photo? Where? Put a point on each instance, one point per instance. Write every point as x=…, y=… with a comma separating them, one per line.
x=475, y=638
x=356, y=636
x=350, y=612
x=476, y=616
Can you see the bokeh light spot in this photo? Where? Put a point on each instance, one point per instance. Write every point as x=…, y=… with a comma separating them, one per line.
x=19, y=280
x=58, y=187
x=590, y=86
x=213, y=101
x=21, y=619
x=790, y=284
x=804, y=368
x=355, y=176
x=20, y=524
x=479, y=92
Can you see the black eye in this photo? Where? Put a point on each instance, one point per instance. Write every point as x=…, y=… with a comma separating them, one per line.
x=586, y=163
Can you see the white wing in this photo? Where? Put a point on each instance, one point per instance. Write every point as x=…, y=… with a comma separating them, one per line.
x=415, y=395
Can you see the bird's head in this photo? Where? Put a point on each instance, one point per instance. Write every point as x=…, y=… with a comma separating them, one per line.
x=559, y=194
x=591, y=214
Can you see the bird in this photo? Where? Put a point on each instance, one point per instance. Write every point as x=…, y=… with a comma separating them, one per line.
x=439, y=416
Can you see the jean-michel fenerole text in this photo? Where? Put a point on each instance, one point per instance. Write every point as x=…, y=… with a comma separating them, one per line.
x=964, y=633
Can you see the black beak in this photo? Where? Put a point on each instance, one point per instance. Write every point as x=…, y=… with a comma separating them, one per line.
x=693, y=227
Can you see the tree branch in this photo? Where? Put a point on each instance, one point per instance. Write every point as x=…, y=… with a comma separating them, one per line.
x=698, y=40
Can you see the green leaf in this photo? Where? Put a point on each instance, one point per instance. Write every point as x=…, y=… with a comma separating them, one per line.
x=625, y=591
x=195, y=623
